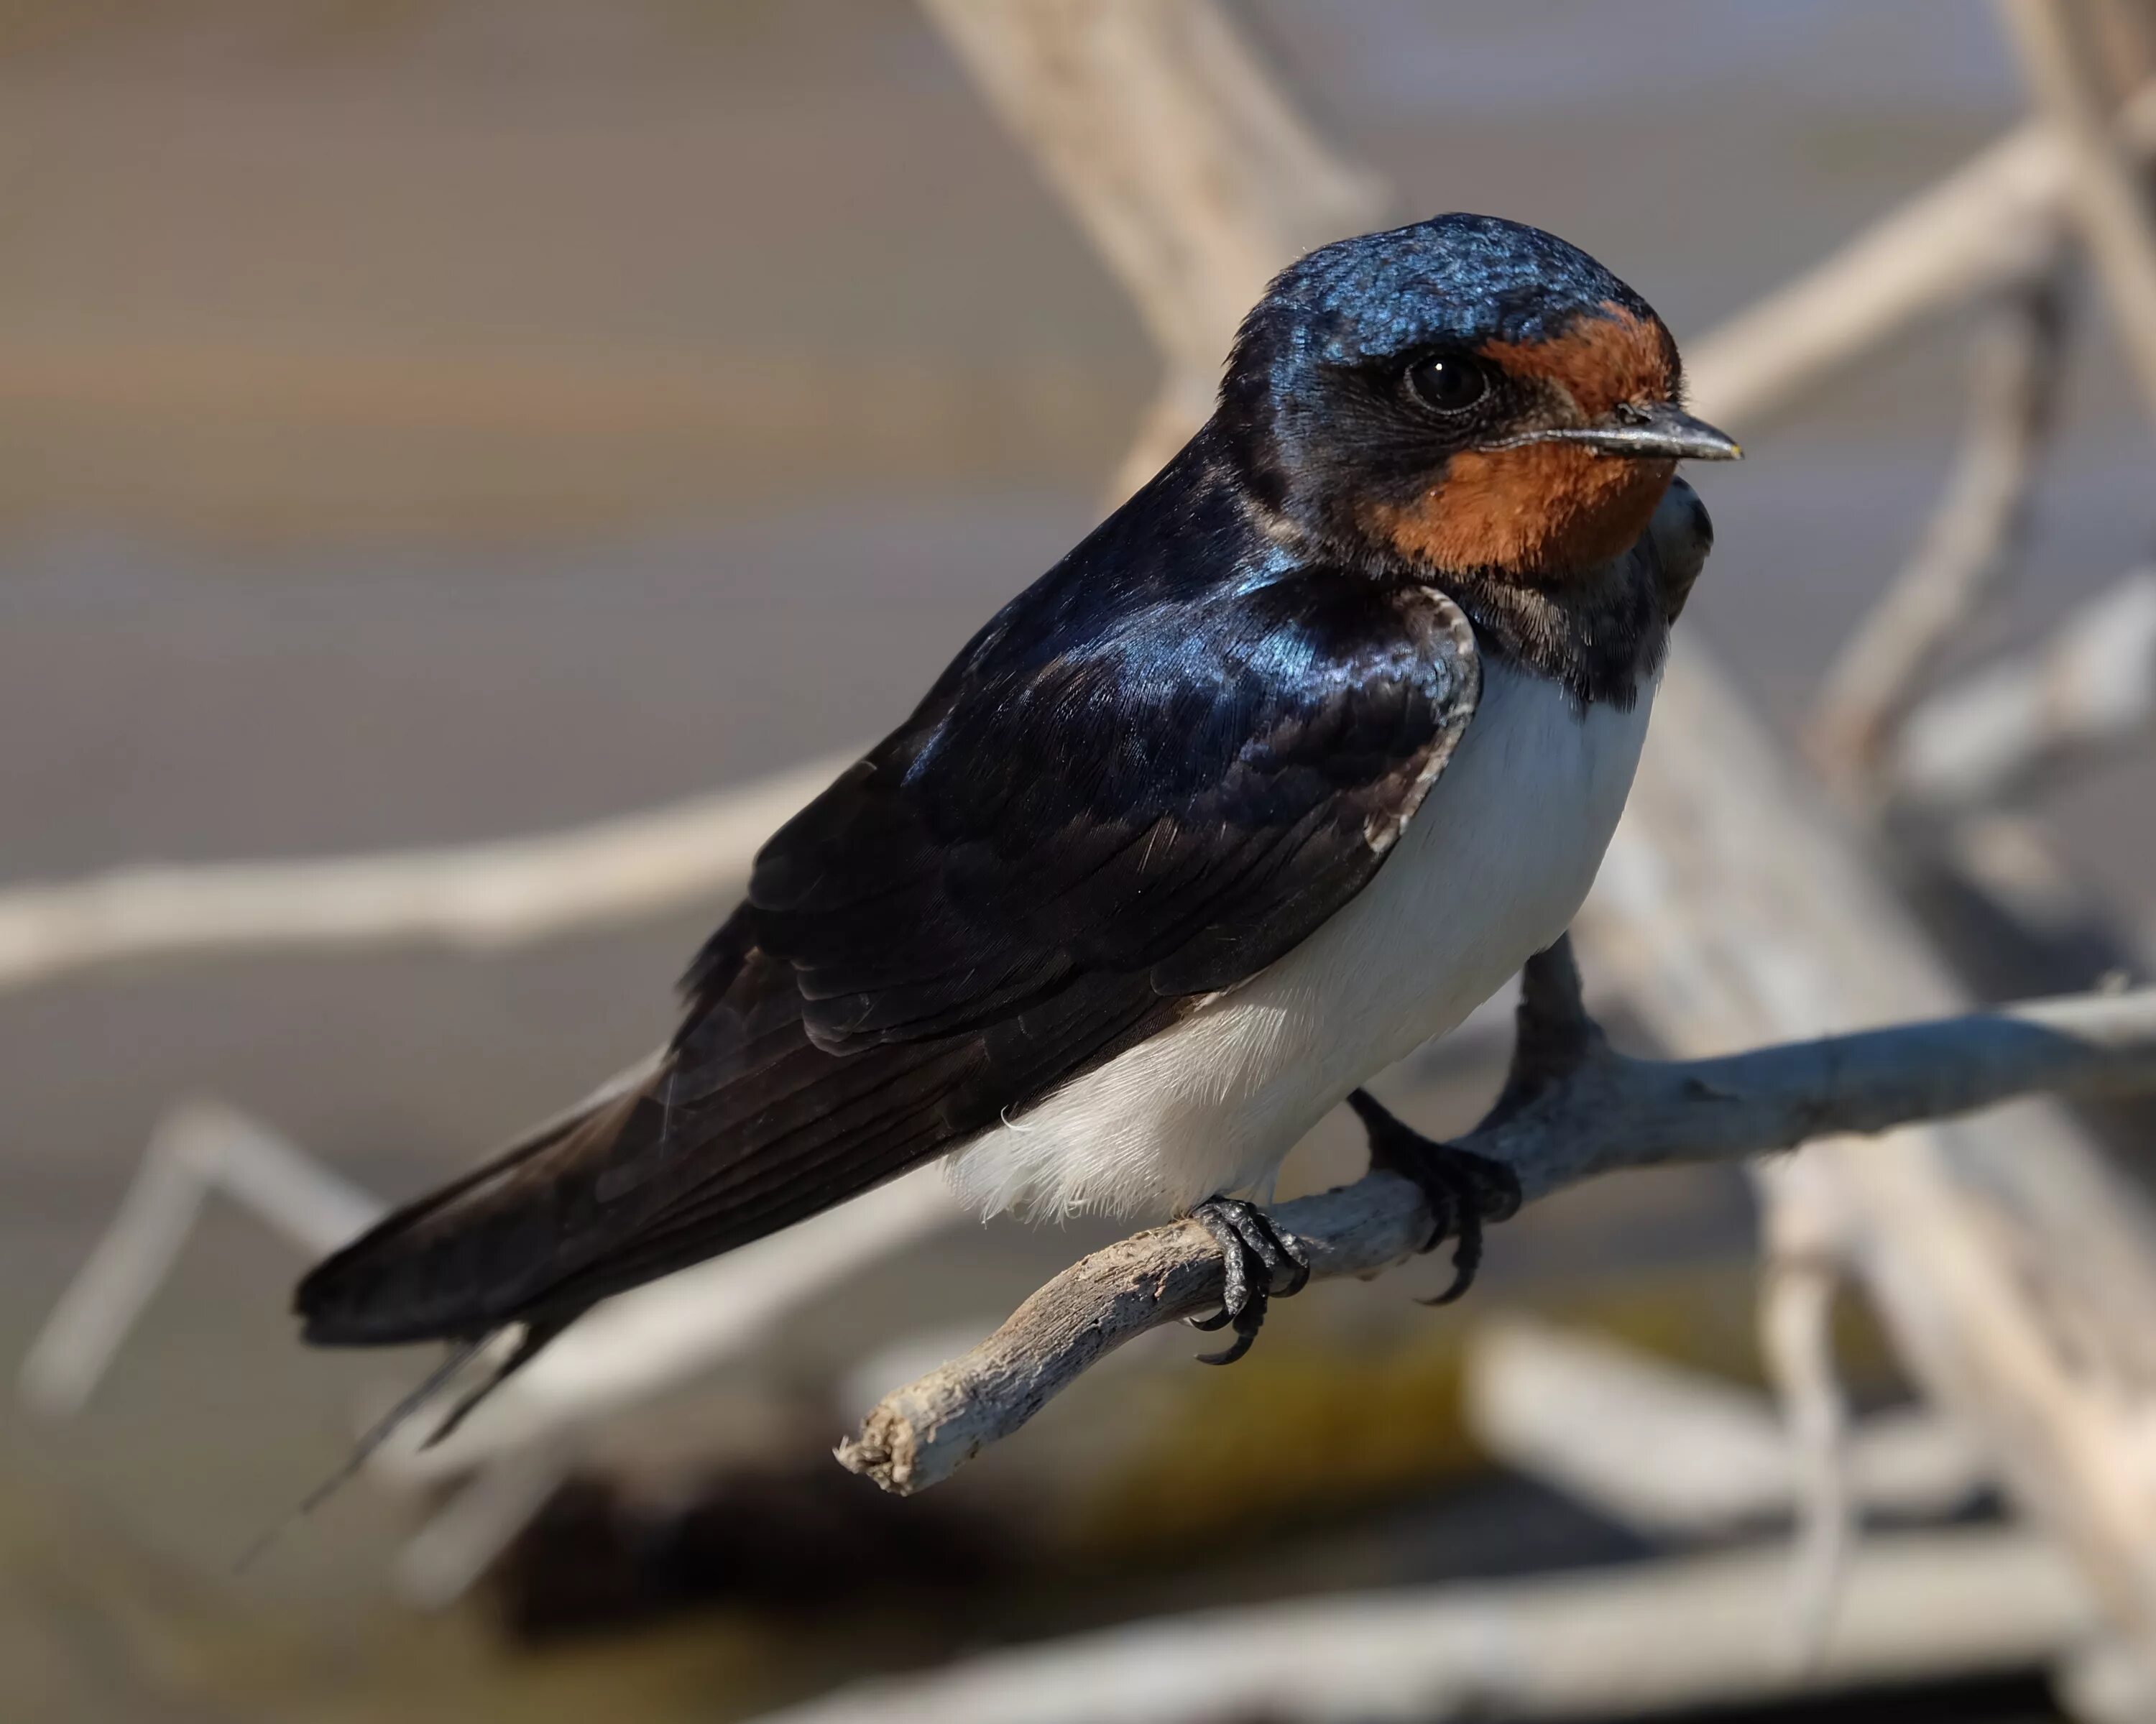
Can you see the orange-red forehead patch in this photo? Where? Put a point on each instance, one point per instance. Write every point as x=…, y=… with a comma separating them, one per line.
x=1598, y=360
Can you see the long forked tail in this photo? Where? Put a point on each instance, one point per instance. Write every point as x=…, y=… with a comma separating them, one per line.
x=373, y=1438
x=421, y=1274
x=465, y=1259
x=742, y=1125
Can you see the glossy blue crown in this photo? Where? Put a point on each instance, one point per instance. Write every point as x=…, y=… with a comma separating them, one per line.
x=1455, y=278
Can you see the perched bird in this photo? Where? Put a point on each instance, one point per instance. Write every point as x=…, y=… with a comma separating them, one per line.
x=1288, y=765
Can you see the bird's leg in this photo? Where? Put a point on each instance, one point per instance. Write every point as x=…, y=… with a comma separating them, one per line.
x=1253, y=1250
x=1463, y=1189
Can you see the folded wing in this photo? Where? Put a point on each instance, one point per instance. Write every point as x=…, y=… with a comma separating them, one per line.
x=1101, y=815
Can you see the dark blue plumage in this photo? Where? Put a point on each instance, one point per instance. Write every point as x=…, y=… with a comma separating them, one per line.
x=1150, y=776
x=1459, y=278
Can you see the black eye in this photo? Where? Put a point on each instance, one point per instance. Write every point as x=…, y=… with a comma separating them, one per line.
x=1447, y=382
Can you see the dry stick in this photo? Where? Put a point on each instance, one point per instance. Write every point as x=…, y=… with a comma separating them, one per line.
x=626, y=1350
x=480, y=896
x=1195, y=184
x=1787, y=925
x=2122, y=35
x=2045, y=709
x=1747, y=915
x=1601, y=1112
x=1988, y=225
x=2010, y=1264
x=1646, y=1638
x=1992, y=223
x=1975, y=536
x=1974, y=540
x=1191, y=203
x=197, y=1147
x=1743, y=912
x=675, y=1328
x=1796, y=1336
x=2105, y=192
x=1677, y=1453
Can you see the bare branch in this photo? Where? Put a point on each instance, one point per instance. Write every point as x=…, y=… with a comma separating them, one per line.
x=2010, y=1265
x=1679, y=1452
x=1989, y=225
x=1992, y=223
x=639, y=1343
x=2021, y=722
x=2104, y=192
x=1796, y=1316
x=1608, y=1112
x=1645, y=1639
x=1743, y=912
x=1194, y=183
x=1187, y=166
x=479, y=896
x=628, y=1349
x=1974, y=537
x=197, y=1147
x=2123, y=34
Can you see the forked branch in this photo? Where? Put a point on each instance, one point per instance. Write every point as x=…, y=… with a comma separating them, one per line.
x=1572, y=1108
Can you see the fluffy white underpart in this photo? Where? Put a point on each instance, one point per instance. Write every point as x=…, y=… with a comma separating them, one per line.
x=1491, y=870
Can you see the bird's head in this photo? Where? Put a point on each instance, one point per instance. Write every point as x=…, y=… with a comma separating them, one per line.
x=1466, y=393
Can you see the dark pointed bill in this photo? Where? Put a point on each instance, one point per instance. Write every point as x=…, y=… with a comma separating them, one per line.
x=1665, y=432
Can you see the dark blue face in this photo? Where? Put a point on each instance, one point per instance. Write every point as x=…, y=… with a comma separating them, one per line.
x=1463, y=392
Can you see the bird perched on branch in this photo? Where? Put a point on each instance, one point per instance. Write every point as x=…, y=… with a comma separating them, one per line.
x=1286, y=767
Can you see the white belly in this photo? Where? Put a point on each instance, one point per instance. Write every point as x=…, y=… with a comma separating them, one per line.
x=1491, y=870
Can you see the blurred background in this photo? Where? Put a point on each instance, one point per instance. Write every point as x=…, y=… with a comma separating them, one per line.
x=425, y=421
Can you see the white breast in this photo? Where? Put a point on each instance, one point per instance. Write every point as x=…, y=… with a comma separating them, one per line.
x=1491, y=870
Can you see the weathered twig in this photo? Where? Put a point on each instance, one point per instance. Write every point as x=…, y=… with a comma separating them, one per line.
x=2027, y=920
x=631, y=1348
x=480, y=896
x=628, y=1349
x=1678, y=1453
x=1192, y=203
x=197, y=1147
x=2123, y=35
x=1645, y=1639
x=1604, y=1111
x=1196, y=181
x=1974, y=536
x=2105, y=193
x=1733, y=906
x=2029, y=718
x=639, y=1343
x=1800, y=1278
x=1743, y=912
x=1991, y=224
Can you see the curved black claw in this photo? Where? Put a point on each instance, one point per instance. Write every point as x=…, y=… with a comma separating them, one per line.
x=1464, y=1190
x=1253, y=1251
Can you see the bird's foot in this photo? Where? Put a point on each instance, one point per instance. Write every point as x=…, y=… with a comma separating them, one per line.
x=1464, y=1190
x=1253, y=1251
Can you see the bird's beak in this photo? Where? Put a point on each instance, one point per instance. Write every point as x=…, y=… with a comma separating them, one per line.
x=1662, y=431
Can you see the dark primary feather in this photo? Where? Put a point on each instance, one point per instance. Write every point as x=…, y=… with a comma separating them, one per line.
x=1152, y=774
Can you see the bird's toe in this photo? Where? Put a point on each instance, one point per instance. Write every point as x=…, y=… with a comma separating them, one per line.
x=1464, y=1190
x=1254, y=1253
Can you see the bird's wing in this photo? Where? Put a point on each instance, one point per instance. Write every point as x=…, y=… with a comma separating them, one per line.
x=1072, y=841
x=1179, y=822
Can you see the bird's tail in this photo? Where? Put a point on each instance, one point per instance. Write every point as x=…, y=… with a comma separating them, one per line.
x=453, y=1266
x=469, y=1258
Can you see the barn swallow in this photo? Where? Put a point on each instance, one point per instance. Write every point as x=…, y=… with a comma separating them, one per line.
x=1289, y=765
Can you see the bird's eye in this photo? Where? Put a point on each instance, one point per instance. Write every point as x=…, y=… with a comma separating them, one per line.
x=1447, y=382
